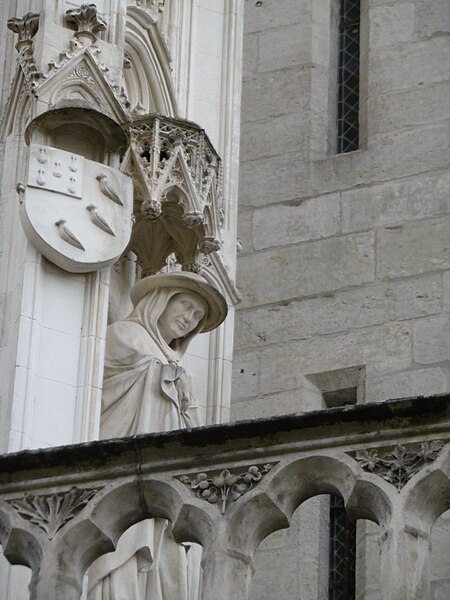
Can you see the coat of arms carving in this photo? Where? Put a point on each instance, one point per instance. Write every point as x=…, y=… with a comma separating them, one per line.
x=76, y=212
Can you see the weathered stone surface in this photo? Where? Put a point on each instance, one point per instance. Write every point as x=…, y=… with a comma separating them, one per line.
x=286, y=47
x=273, y=14
x=432, y=340
x=275, y=93
x=344, y=310
x=446, y=281
x=296, y=221
x=303, y=399
x=388, y=156
x=368, y=557
x=260, y=179
x=395, y=202
x=409, y=108
x=387, y=347
x=380, y=387
x=308, y=269
x=408, y=65
x=250, y=49
x=433, y=18
x=267, y=579
x=414, y=248
x=245, y=232
x=440, y=559
x=303, y=543
x=273, y=136
x=391, y=24
x=246, y=373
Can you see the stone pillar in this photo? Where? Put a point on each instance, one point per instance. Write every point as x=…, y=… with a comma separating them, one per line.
x=226, y=575
x=404, y=564
x=55, y=582
x=55, y=313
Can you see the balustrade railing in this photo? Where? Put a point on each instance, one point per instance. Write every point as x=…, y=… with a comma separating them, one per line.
x=227, y=487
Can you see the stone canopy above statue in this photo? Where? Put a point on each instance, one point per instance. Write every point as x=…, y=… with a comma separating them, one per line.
x=177, y=192
x=76, y=103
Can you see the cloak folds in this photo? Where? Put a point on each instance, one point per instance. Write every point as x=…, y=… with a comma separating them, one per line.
x=145, y=389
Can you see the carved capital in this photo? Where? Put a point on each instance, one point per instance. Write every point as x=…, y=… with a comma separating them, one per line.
x=225, y=487
x=397, y=464
x=26, y=28
x=86, y=20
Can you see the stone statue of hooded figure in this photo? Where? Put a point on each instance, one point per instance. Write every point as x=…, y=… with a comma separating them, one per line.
x=146, y=390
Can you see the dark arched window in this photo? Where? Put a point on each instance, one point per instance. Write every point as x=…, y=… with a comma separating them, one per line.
x=341, y=580
x=348, y=76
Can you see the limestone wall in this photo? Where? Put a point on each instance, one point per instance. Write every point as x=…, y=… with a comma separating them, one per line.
x=345, y=260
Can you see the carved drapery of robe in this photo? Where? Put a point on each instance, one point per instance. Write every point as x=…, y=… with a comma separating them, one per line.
x=146, y=390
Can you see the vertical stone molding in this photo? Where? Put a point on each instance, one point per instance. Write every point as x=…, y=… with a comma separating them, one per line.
x=404, y=562
x=154, y=8
x=26, y=28
x=227, y=575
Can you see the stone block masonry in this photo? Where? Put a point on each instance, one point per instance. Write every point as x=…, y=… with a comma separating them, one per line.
x=345, y=259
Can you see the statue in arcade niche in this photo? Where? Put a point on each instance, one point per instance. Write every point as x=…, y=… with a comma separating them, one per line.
x=145, y=389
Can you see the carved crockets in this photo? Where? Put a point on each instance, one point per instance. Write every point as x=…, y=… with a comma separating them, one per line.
x=178, y=192
x=26, y=28
x=177, y=174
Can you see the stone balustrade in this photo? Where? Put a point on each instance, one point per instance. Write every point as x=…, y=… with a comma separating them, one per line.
x=229, y=486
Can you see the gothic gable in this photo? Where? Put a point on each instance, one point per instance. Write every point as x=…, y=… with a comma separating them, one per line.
x=82, y=82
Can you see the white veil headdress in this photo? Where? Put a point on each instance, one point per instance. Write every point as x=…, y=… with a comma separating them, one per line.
x=147, y=313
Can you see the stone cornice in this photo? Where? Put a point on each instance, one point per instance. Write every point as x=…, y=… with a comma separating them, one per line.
x=374, y=424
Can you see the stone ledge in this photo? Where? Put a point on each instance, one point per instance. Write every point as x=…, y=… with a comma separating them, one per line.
x=419, y=412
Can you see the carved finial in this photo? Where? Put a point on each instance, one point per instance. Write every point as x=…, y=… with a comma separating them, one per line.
x=86, y=20
x=26, y=28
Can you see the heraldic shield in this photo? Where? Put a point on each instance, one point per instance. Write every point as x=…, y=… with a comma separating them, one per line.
x=76, y=212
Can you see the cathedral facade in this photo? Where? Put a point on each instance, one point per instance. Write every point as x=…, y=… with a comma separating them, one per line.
x=296, y=154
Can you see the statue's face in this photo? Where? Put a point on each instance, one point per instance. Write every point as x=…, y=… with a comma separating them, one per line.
x=182, y=314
